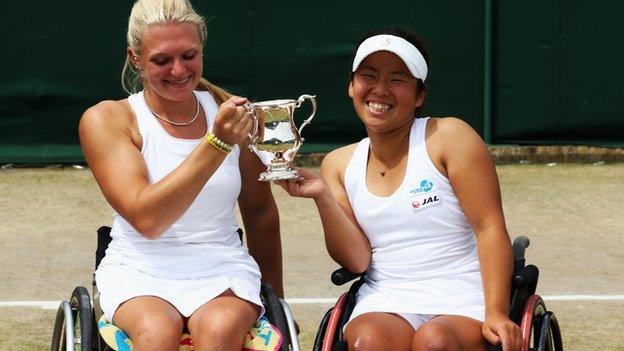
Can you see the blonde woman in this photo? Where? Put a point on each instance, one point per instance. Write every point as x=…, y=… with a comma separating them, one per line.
x=171, y=161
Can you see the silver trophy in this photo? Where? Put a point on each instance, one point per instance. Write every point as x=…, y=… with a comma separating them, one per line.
x=275, y=138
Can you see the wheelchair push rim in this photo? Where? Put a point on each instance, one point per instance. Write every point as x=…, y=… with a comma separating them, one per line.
x=73, y=327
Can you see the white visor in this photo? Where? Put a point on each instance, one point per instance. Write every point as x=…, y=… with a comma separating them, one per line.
x=410, y=55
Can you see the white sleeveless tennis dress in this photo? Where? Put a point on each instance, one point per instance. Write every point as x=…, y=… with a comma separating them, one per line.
x=200, y=256
x=424, y=253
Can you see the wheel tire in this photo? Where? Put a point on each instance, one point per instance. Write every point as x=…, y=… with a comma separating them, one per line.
x=275, y=314
x=550, y=335
x=83, y=319
x=556, y=333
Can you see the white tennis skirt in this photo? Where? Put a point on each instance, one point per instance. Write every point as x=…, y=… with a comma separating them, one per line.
x=459, y=294
x=118, y=283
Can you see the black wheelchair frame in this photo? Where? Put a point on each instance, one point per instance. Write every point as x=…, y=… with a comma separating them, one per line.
x=75, y=326
x=540, y=329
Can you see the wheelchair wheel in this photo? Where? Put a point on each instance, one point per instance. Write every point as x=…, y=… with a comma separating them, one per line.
x=540, y=330
x=73, y=328
x=275, y=314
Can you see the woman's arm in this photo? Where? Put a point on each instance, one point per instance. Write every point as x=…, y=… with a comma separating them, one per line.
x=345, y=241
x=462, y=155
x=261, y=220
x=111, y=145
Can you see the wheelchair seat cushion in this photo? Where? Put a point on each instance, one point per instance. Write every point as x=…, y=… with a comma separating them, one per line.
x=263, y=336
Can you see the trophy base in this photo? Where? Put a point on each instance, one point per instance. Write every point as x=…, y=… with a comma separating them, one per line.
x=278, y=175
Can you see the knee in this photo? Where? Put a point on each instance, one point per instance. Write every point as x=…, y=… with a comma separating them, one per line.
x=157, y=332
x=432, y=337
x=363, y=337
x=218, y=328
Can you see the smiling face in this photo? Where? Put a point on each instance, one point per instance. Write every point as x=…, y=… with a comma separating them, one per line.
x=171, y=60
x=384, y=92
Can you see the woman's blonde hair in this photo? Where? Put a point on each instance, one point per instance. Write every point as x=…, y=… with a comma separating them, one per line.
x=149, y=12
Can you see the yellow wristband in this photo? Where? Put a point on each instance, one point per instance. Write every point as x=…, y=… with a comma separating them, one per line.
x=218, y=143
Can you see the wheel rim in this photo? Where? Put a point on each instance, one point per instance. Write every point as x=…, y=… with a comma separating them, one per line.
x=531, y=322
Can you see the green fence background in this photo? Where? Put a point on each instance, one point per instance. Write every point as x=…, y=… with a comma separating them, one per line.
x=530, y=72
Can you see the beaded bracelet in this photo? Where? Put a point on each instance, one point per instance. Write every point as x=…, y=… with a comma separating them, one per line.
x=218, y=143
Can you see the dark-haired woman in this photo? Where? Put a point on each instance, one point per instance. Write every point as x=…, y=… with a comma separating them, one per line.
x=417, y=206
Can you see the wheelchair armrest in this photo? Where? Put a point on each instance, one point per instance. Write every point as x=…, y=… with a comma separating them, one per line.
x=519, y=245
x=343, y=275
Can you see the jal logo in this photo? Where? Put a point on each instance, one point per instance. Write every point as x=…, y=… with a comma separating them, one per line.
x=425, y=186
x=425, y=200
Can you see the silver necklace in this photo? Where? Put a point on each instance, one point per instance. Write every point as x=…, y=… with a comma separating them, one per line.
x=174, y=122
x=382, y=172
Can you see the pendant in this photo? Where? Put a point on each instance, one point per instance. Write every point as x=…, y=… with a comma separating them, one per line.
x=382, y=173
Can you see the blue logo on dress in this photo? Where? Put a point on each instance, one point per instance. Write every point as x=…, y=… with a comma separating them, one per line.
x=425, y=186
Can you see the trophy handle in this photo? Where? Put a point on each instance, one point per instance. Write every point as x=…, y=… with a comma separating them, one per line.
x=254, y=130
x=300, y=101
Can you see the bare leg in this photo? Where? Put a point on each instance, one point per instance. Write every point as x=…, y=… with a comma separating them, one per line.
x=449, y=333
x=151, y=323
x=221, y=324
x=378, y=331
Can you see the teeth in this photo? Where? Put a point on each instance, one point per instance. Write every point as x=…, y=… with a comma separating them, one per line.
x=180, y=82
x=379, y=107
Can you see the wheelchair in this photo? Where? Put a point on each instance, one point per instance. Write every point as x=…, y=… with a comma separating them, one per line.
x=75, y=326
x=539, y=326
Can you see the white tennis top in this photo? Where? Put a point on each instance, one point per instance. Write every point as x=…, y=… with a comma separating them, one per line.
x=201, y=251
x=424, y=253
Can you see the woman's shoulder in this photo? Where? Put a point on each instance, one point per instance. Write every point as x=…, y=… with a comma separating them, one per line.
x=448, y=125
x=108, y=107
x=451, y=138
x=108, y=116
x=450, y=131
x=336, y=161
x=341, y=155
x=108, y=111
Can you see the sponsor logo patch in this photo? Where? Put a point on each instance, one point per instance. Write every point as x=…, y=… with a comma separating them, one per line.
x=425, y=186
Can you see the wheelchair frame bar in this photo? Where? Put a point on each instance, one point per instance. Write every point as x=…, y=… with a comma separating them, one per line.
x=292, y=328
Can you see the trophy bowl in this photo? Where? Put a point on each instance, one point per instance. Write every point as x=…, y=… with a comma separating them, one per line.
x=275, y=137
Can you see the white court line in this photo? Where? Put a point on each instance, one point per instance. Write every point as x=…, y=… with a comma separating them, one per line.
x=52, y=305
x=48, y=305
x=583, y=297
x=303, y=300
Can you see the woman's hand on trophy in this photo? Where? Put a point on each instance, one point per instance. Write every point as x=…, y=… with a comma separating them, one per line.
x=232, y=123
x=310, y=184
